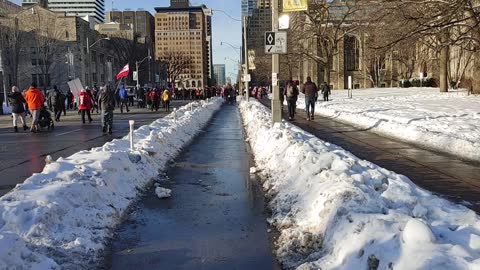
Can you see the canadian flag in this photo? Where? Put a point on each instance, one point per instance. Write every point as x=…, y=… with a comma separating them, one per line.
x=124, y=72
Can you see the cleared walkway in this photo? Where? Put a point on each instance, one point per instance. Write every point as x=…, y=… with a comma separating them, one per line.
x=215, y=218
x=445, y=175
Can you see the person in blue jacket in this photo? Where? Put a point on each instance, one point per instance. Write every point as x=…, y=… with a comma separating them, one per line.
x=123, y=94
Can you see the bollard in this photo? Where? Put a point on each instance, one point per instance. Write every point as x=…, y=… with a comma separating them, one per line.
x=191, y=106
x=132, y=124
x=175, y=115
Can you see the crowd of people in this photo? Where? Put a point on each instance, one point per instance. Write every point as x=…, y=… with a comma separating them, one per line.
x=41, y=104
x=34, y=102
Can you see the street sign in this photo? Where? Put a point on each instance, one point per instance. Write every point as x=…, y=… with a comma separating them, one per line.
x=135, y=76
x=295, y=5
x=274, y=79
x=247, y=78
x=275, y=42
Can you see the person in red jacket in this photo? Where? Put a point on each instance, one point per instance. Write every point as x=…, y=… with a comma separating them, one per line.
x=35, y=101
x=84, y=105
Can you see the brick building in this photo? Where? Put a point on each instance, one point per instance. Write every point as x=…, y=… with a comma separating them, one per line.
x=187, y=31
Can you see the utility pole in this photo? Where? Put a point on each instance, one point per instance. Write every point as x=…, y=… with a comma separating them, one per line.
x=276, y=103
x=246, y=56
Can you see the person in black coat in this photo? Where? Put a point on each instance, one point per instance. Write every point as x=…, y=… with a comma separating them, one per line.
x=17, y=101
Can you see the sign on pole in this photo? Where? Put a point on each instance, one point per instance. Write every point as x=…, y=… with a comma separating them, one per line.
x=251, y=59
x=275, y=42
x=274, y=79
x=247, y=78
x=135, y=76
x=295, y=5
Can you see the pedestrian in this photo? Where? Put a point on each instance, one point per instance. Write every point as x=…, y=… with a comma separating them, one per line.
x=17, y=101
x=69, y=99
x=131, y=100
x=325, y=91
x=291, y=94
x=57, y=101
x=166, y=100
x=35, y=101
x=155, y=99
x=106, y=102
x=84, y=105
x=310, y=90
x=123, y=94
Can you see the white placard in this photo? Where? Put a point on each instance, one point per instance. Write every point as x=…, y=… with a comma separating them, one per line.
x=75, y=86
x=247, y=78
x=274, y=79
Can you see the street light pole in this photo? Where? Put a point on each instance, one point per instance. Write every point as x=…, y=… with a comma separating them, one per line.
x=246, y=56
x=89, y=62
x=137, y=63
x=276, y=103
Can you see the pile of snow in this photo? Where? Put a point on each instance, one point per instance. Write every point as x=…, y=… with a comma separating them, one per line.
x=62, y=217
x=335, y=211
x=447, y=122
x=163, y=192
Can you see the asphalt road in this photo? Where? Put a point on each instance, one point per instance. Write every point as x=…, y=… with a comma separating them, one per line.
x=215, y=218
x=23, y=153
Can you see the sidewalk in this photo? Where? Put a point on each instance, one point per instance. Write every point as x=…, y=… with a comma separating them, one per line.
x=448, y=176
x=215, y=218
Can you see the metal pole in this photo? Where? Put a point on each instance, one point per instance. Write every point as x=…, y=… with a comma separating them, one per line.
x=131, y=123
x=138, y=75
x=88, y=63
x=245, y=55
x=276, y=104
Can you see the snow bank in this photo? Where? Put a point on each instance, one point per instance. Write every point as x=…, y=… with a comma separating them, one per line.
x=62, y=217
x=446, y=122
x=335, y=211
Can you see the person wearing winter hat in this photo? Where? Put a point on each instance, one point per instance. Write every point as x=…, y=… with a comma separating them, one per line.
x=16, y=99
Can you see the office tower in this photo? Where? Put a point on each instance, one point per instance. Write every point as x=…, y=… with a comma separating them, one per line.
x=219, y=74
x=185, y=31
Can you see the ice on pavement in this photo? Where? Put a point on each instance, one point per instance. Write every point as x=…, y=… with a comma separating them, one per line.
x=447, y=122
x=335, y=211
x=62, y=217
x=163, y=192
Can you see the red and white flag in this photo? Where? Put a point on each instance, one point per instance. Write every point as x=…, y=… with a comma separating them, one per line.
x=124, y=72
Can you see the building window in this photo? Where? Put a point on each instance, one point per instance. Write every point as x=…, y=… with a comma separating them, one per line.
x=352, y=53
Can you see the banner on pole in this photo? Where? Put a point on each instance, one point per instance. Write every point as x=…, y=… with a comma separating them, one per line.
x=251, y=59
x=295, y=5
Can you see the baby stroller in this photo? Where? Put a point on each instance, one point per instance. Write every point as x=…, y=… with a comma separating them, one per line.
x=45, y=119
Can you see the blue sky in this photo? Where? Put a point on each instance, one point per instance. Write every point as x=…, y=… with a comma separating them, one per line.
x=224, y=28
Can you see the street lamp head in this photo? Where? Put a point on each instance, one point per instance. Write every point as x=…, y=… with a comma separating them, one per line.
x=107, y=38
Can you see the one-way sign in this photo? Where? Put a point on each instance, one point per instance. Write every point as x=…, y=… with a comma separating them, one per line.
x=275, y=42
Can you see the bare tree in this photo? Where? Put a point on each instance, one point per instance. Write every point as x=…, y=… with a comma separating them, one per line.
x=11, y=42
x=323, y=27
x=127, y=48
x=176, y=64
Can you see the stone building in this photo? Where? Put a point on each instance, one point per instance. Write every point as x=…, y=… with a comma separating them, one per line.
x=54, y=50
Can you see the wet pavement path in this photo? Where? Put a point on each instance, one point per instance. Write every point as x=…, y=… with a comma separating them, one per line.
x=215, y=218
x=445, y=175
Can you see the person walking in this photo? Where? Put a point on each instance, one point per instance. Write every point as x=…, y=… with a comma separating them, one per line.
x=310, y=90
x=166, y=100
x=69, y=100
x=57, y=100
x=326, y=91
x=123, y=94
x=291, y=94
x=84, y=105
x=155, y=99
x=106, y=102
x=17, y=101
x=35, y=101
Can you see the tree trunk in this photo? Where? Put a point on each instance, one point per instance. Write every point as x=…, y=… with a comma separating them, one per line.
x=444, y=64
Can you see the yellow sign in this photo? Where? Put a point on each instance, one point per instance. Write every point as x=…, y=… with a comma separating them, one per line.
x=251, y=59
x=295, y=5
